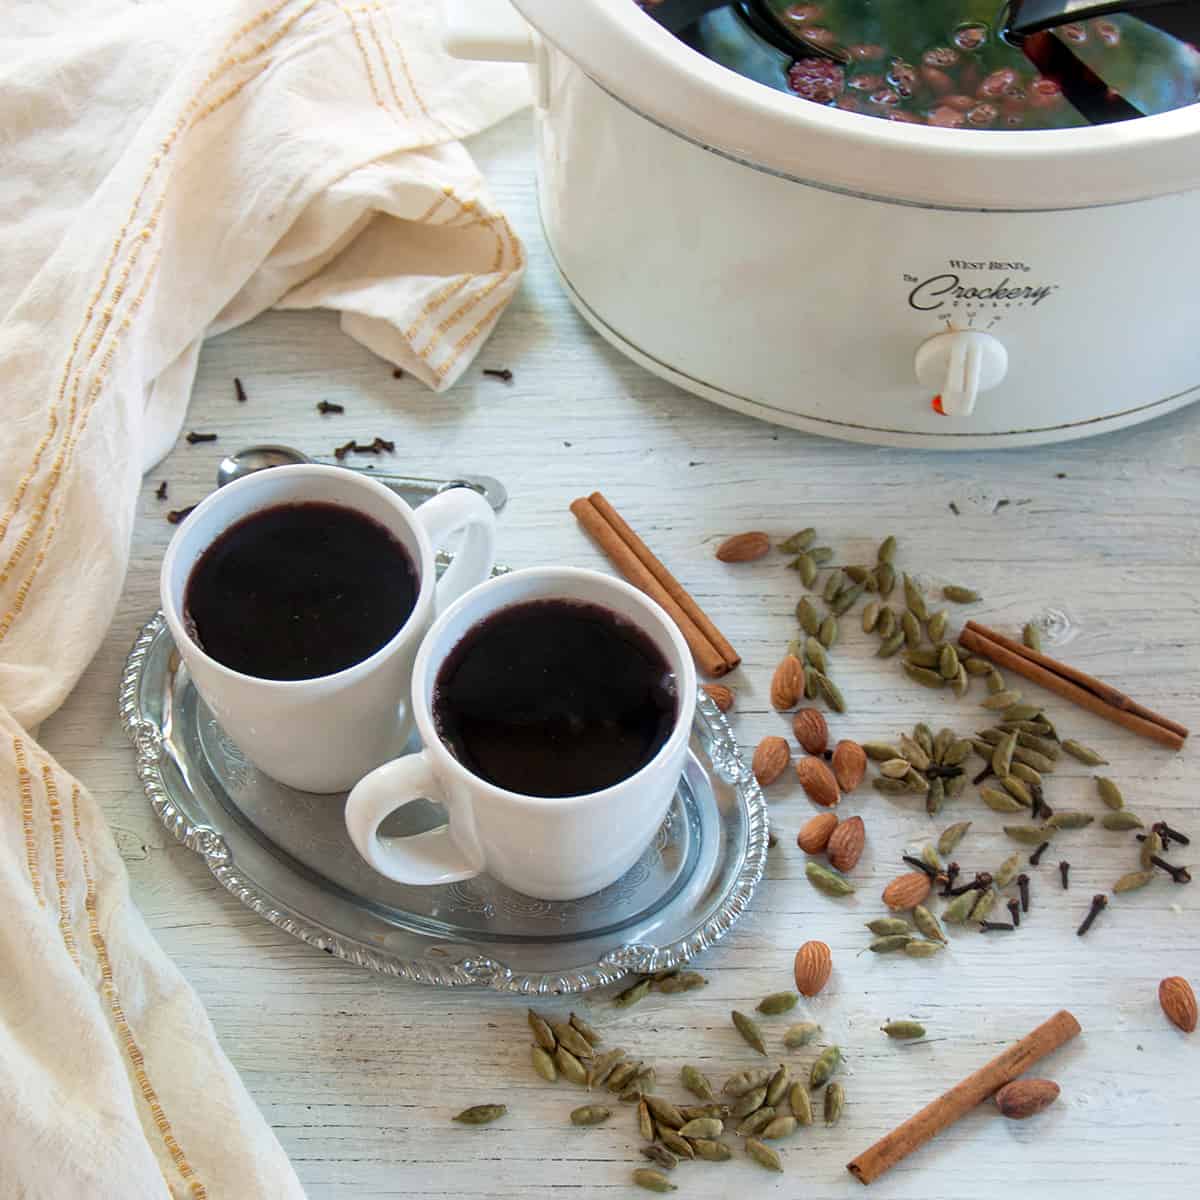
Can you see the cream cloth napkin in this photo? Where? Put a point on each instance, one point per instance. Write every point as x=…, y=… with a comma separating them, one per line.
x=167, y=170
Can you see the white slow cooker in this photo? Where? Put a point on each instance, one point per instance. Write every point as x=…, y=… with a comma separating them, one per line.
x=835, y=272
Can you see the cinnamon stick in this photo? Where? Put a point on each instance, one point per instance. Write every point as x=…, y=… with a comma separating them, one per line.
x=708, y=657
x=1089, y=683
x=980, y=643
x=674, y=588
x=963, y=1097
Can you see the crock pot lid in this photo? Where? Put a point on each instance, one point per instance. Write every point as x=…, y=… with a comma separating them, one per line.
x=641, y=64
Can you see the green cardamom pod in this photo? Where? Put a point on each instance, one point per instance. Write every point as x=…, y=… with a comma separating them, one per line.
x=1085, y=754
x=800, y=1034
x=923, y=736
x=835, y=1101
x=1017, y=788
x=696, y=1082
x=830, y=692
x=481, y=1114
x=752, y=1101
x=711, y=1151
x=957, y=753
x=870, y=616
x=927, y=923
x=999, y=801
x=911, y=628
x=645, y=1124
x=574, y=1041
x=780, y=1127
x=958, y=910
x=1031, y=635
x=1031, y=758
x=1022, y=712
x=960, y=595
x=929, y=856
x=903, y=1030
x=923, y=676
x=915, y=600
x=684, y=981
x=1007, y=870
x=833, y=585
x=828, y=632
x=912, y=750
x=916, y=783
x=885, y=578
x=1133, y=881
x=633, y=1093
x=890, y=787
x=951, y=836
x=886, y=625
x=890, y=943
x=661, y=1155
x=936, y=628
x=887, y=550
x=777, y=1002
x=1152, y=847
x=755, y=1122
x=935, y=796
x=888, y=926
x=749, y=1030
x=798, y=541
x=807, y=568
x=746, y=1081
x=653, y=1181
x=821, y=555
x=956, y=786
x=977, y=666
x=1070, y=820
x=631, y=995
x=858, y=573
x=622, y=1075
x=1109, y=792
x=890, y=644
x=664, y=1112
x=762, y=1154
x=1043, y=745
x=824, y=1067
x=543, y=1063
x=704, y=1127
x=919, y=949
x=944, y=740
x=1002, y=700
x=779, y=1084
x=1122, y=821
x=602, y=1066
x=992, y=737
x=542, y=1033
x=985, y=904
x=880, y=751
x=676, y=1144
x=582, y=1027
x=815, y=653
x=807, y=615
x=895, y=768
x=961, y=683
x=995, y=682
x=1031, y=835
x=590, y=1114
x=827, y=881
x=800, y=1104
x=846, y=599
x=922, y=657
x=569, y=1066
x=948, y=663
x=1002, y=756
x=1025, y=773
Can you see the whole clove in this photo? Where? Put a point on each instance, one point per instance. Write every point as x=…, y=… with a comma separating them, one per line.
x=995, y=927
x=397, y=372
x=356, y=447
x=980, y=883
x=1036, y=857
x=160, y=492
x=982, y=775
x=1170, y=835
x=1014, y=908
x=1064, y=869
x=936, y=772
x=502, y=373
x=238, y=390
x=950, y=875
x=1023, y=888
x=179, y=514
x=327, y=406
x=194, y=438
x=1099, y=904
x=919, y=864
x=1179, y=874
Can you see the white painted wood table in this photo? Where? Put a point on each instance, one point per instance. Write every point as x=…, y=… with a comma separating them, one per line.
x=359, y=1075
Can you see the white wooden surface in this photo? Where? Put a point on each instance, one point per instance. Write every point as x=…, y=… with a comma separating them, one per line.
x=359, y=1075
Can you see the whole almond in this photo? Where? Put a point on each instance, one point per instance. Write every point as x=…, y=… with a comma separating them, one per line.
x=818, y=781
x=906, y=891
x=771, y=758
x=787, y=684
x=814, y=837
x=811, y=731
x=849, y=764
x=1178, y=1002
x=719, y=694
x=814, y=962
x=1026, y=1097
x=743, y=547
x=845, y=844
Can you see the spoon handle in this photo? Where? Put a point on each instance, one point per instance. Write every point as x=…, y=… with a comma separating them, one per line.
x=492, y=490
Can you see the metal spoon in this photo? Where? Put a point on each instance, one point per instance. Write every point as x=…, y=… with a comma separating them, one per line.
x=260, y=458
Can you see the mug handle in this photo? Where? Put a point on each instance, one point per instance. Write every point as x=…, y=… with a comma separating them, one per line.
x=424, y=859
x=447, y=513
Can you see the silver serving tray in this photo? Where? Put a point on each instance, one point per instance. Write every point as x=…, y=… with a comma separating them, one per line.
x=285, y=854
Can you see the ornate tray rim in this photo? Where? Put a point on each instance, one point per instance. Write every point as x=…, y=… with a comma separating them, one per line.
x=470, y=972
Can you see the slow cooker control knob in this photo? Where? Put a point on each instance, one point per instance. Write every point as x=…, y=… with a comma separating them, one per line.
x=960, y=365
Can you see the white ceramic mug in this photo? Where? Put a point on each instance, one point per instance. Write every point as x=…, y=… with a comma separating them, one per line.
x=324, y=734
x=553, y=848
